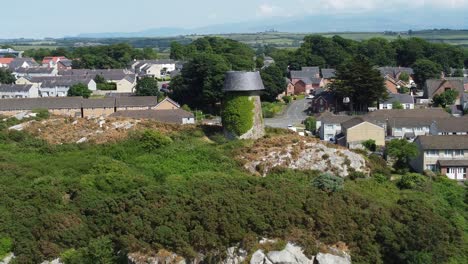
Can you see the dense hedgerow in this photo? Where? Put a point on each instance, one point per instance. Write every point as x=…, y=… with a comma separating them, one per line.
x=92, y=203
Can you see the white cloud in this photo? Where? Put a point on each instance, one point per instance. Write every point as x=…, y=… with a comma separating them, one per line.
x=266, y=9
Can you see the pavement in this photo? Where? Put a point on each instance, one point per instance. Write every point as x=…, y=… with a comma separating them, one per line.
x=294, y=114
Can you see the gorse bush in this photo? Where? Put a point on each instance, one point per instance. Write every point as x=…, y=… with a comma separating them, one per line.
x=151, y=140
x=328, y=183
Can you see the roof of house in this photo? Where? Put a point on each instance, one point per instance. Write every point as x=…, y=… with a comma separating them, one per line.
x=167, y=99
x=18, y=62
x=98, y=103
x=66, y=62
x=453, y=163
x=35, y=70
x=40, y=103
x=330, y=118
x=314, y=69
x=6, y=60
x=108, y=74
x=415, y=113
x=325, y=94
x=432, y=85
x=452, y=124
x=173, y=116
x=304, y=74
x=352, y=122
x=328, y=73
x=443, y=142
x=243, y=81
x=137, y=101
x=11, y=88
x=402, y=98
x=394, y=71
x=60, y=81
x=54, y=59
x=399, y=122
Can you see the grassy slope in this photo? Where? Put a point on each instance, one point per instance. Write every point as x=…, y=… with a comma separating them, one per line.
x=192, y=196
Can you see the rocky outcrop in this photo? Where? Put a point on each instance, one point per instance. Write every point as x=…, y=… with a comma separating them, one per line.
x=162, y=257
x=55, y=261
x=7, y=259
x=302, y=154
x=235, y=255
x=331, y=259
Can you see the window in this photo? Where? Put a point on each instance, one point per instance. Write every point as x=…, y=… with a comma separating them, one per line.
x=447, y=153
x=328, y=126
x=432, y=153
x=397, y=129
x=431, y=167
x=385, y=106
x=418, y=129
x=459, y=153
x=408, y=106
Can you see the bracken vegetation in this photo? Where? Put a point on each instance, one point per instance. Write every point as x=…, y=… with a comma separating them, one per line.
x=183, y=192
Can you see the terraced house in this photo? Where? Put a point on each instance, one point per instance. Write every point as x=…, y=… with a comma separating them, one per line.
x=445, y=154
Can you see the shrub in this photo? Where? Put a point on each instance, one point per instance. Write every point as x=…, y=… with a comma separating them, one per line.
x=287, y=99
x=370, y=145
x=6, y=245
x=237, y=114
x=328, y=183
x=310, y=124
x=151, y=140
x=353, y=175
x=410, y=181
x=380, y=178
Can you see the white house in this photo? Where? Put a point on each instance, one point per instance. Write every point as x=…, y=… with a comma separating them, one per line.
x=329, y=125
x=154, y=68
x=19, y=91
x=406, y=100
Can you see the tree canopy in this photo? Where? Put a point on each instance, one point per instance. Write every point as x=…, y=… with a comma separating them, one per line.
x=6, y=76
x=360, y=82
x=147, y=86
x=79, y=90
x=274, y=82
x=425, y=69
x=403, y=151
x=446, y=98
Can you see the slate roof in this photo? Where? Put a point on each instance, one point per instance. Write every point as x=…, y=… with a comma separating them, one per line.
x=452, y=124
x=66, y=63
x=40, y=103
x=35, y=70
x=352, y=122
x=402, y=98
x=329, y=118
x=414, y=113
x=108, y=74
x=443, y=142
x=11, y=88
x=410, y=122
x=303, y=74
x=60, y=81
x=433, y=84
x=394, y=71
x=243, y=81
x=328, y=73
x=174, y=116
x=18, y=62
x=137, y=101
x=453, y=163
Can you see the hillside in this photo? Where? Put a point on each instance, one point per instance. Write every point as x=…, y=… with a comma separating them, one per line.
x=180, y=190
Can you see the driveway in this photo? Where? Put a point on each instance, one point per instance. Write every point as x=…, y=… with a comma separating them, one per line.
x=294, y=114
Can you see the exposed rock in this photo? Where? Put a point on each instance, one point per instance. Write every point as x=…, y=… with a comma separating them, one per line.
x=325, y=258
x=259, y=258
x=303, y=154
x=82, y=140
x=7, y=259
x=162, y=257
x=55, y=261
x=291, y=254
x=18, y=127
x=235, y=256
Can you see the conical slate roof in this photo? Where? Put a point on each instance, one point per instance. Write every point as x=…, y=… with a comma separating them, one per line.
x=243, y=81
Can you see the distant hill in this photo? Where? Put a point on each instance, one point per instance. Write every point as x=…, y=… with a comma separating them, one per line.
x=369, y=22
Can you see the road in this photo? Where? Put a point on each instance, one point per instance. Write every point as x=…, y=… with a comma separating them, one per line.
x=293, y=115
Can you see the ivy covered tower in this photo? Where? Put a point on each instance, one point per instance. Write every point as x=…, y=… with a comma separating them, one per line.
x=242, y=109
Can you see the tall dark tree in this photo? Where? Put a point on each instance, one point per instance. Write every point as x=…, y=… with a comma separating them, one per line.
x=360, y=82
x=273, y=81
x=6, y=77
x=425, y=69
x=147, y=86
x=201, y=82
x=379, y=51
x=458, y=73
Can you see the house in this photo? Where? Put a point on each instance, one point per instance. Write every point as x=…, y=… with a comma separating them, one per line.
x=52, y=61
x=324, y=100
x=93, y=108
x=10, y=52
x=5, y=62
x=35, y=72
x=171, y=116
x=22, y=63
x=406, y=100
x=408, y=127
x=167, y=104
x=437, y=86
x=124, y=80
x=357, y=130
x=307, y=85
x=57, y=86
x=396, y=72
x=328, y=75
x=136, y=103
x=446, y=154
x=154, y=68
x=329, y=125
x=18, y=91
x=306, y=72
x=64, y=64
x=449, y=126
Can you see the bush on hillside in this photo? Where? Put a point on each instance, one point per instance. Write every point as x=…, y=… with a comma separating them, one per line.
x=328, y=183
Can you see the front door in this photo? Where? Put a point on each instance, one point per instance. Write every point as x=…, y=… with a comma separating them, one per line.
x=455, y=173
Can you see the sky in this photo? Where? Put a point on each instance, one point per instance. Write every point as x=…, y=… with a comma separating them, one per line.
x=58, y=18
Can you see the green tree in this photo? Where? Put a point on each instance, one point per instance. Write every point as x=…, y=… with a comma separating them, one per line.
x=273, y=81
x=79, y=90
x=370, y=145
x=100, y=251
x=404, y=77
x=147, y=86
x=200, y=83
x=6, y=77
x=259, y=62
x=379, y=51
x=310, y=123
x=458, y=73
x=425, y=69
x=397, y=105
x=446, y=98
x=360, y=82
x=403, y=151
x=100, y=79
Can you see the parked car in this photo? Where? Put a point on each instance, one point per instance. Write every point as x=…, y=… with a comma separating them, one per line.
x=310, y=97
